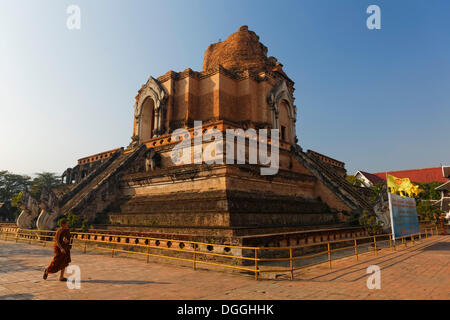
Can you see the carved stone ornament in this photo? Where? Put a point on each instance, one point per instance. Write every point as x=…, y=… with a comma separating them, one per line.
x=30, y=211
x=154, y=90
x=280, y=92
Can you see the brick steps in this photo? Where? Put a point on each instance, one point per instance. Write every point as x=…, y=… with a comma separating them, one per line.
x=88, y=192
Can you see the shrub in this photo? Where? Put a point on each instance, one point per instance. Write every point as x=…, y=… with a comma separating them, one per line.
x=75, y=222
x=370, y=223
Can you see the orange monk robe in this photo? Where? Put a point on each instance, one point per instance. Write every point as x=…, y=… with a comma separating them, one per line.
x=61, y=260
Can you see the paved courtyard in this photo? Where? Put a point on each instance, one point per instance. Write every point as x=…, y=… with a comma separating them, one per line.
x=421, y=271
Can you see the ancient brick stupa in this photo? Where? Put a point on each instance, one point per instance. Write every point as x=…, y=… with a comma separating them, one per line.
x=142, y=188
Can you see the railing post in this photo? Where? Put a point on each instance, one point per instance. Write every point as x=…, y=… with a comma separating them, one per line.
x=426, y=233
x=17, y=237
x=329, y=255
x=195, y=256
x=148, y=251
x=256, y=263
x=375, y=245
x=437, y=231
x=390, y=241
x=356, y=250
x=112, y=253
x=412, y=240
x=291, y=264
x=420, y=236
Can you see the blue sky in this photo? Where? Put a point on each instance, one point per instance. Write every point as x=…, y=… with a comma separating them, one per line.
x=375, y=99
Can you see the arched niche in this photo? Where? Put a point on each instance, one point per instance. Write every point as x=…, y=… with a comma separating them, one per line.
x=280, y=100
x=149, y=111
x=147, y=119
x=284, y=121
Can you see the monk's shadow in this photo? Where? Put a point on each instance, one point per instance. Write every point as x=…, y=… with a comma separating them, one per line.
x=21, y=296
x=123, y=282
x=16, y=265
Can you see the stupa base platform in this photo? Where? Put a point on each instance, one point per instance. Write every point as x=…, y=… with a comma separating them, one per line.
x=261, y=237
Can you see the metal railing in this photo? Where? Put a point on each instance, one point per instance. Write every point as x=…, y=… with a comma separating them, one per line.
x=370, y=243
x=256, y=260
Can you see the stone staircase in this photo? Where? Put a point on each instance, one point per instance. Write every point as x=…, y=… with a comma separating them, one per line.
x=76, y=188
x=87, y=198
x=105, y=178
x=334, y=181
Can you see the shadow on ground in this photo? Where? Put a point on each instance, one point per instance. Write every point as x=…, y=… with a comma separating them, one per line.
x=391, y=259
x=24, y=296
x=123, y=282
x=441, y=246
x=16, y=265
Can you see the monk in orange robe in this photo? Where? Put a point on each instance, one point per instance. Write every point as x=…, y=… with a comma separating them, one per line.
x=61, y=248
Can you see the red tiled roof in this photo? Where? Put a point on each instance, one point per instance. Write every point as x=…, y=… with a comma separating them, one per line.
x=417, y=175
x=371, y=177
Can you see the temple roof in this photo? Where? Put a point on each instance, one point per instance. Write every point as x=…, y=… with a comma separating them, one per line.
x=417, y=175
x=241, y=51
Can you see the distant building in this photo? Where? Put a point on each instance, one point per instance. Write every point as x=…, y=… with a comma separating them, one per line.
x=445, y=192
x=368, y=179
x=424, y=175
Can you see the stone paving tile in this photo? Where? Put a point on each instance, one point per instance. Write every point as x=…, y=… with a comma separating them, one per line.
x=421, y=271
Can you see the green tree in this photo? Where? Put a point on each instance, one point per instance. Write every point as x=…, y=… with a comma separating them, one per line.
x=377, y=189
x=44, y=180
x=353, y=180
x=429, y=192
x=16, y=200
x=427, y=210
x=11, y=184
